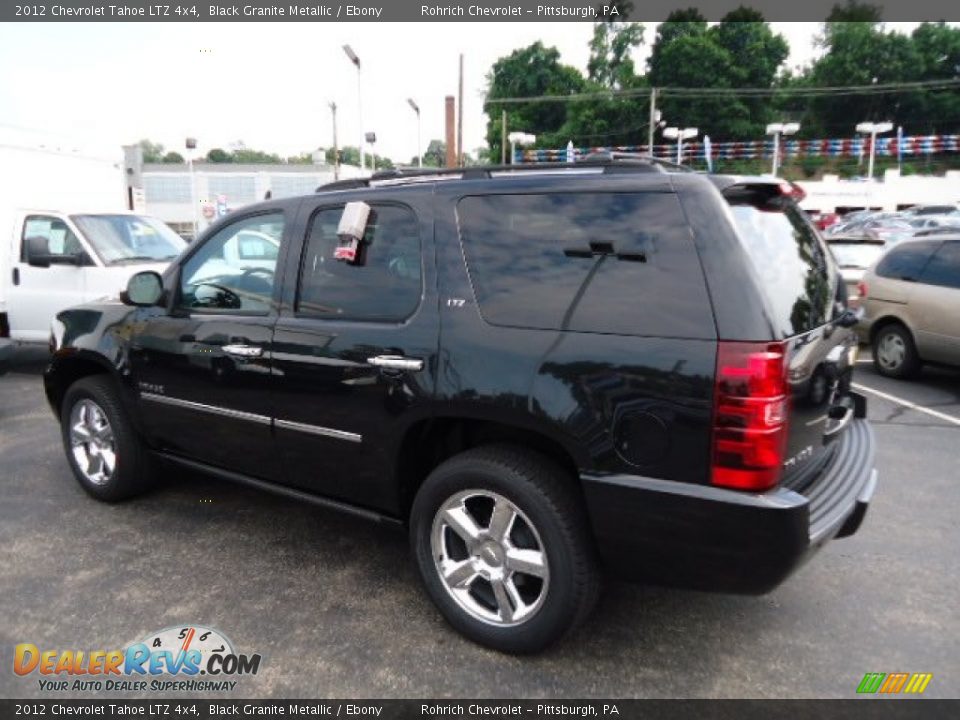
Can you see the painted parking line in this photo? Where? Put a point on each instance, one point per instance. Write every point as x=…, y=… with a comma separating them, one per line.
x=911, y=405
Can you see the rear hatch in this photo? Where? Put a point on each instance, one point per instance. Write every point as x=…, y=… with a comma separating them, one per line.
x=804, y=293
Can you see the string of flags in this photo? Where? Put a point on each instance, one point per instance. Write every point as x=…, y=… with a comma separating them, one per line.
x=707, y=151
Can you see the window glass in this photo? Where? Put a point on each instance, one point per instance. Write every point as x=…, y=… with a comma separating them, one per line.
x=586, y=262
x=129, y=238
x=219, y=277
x=385, y=286
x=906, y=261
x=944, y=267
x=789, y=261
x=61, y=240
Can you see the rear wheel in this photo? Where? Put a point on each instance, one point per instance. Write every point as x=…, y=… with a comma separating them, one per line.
x=894, y=353
x=501, y=542
x=103, y=449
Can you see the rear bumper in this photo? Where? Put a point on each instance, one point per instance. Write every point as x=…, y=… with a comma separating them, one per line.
x=708, y=538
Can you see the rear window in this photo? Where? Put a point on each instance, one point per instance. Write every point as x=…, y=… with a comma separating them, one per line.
x=856, y=255
x=789, y=259
x=906, y=261
x=621, y=263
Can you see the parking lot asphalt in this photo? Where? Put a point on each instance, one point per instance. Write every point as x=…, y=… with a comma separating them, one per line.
x=333, y=604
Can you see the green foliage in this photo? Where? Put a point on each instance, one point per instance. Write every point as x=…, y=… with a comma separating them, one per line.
x=532, y=71
x=219, y=155
x=152, y=152
x=172, y=158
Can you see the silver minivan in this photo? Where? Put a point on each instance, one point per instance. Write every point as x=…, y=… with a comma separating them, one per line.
x=911, y=299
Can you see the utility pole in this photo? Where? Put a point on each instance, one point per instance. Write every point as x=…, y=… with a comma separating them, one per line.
x=503, y=138
x=460, y=117
x=653, y=119
x=336, y=147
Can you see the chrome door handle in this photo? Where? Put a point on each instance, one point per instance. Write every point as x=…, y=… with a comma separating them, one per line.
x=396, y=362
x=243, y=351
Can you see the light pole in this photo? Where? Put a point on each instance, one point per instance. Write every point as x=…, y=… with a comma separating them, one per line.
x=521, y=139
x=778, y=129
x=873, y=129
x=336, y=147
x=191, y=144
x=416, y=109
x=680, y=134
x=356, y=61
x=371, y=137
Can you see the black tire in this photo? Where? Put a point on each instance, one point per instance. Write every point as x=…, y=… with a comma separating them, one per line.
x=547, y=498
x=132, y=471
x=888, y=364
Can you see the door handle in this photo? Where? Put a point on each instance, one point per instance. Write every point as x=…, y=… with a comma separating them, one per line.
x=396, y=362
x=16, y=276
x=243, y=351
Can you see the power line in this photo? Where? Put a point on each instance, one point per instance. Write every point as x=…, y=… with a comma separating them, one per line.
x=680, y=92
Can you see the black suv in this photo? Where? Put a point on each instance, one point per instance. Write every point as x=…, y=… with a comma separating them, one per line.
x=541, y=372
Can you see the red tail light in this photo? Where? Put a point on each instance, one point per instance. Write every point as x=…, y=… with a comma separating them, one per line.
x=750, y=415
x=862, y=289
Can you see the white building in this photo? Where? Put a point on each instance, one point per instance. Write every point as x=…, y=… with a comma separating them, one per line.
x=183, y=199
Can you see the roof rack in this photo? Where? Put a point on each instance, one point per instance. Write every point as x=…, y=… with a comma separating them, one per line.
x=609, y=163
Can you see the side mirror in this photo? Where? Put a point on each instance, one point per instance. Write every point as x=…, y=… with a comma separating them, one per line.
x=38, y=251
x=143, y=289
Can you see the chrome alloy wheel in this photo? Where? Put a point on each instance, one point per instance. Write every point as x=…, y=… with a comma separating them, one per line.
x=92, y=442
x=490, y=558
x=891, y=351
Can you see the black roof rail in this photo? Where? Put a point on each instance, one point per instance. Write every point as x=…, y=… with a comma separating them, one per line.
x=608, y=162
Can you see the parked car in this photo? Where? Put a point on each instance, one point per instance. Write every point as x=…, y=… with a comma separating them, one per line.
x=930, y=222
x=854, y=255
x=912, y=306
x=541, y=374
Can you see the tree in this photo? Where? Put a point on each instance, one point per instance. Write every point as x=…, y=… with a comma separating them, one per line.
x=172, y=158
x=435, y=155
x=610, y=64
x=679, y=23
x=532, y=71
x=864, y=53
x=152, y=152
x=219, y=155
x=938, y=49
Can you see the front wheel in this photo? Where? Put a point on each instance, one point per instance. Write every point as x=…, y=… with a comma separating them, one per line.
x=103, y=449
x=501, y=543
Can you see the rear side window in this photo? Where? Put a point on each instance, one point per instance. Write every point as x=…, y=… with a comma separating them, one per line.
x=789, y=260
x=385, y=288
x=906, y=261
x=621, y=263
x=944, y=267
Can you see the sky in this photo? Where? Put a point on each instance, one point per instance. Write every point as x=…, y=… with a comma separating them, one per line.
x=102, y=85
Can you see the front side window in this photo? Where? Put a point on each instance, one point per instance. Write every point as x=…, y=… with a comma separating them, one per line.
x=944, y=267
x=62, y=243
x=385, y=287
x=119, y=239
x=224, y=275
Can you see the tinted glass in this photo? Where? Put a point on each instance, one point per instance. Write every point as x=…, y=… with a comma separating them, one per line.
x=614, y=263
x=220, y=277
x=385, y=287
x=906, y=261
x=789, y=260
x=944, y=266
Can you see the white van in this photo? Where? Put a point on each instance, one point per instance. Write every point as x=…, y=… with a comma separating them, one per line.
x=66, y=236
x=51, y=260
